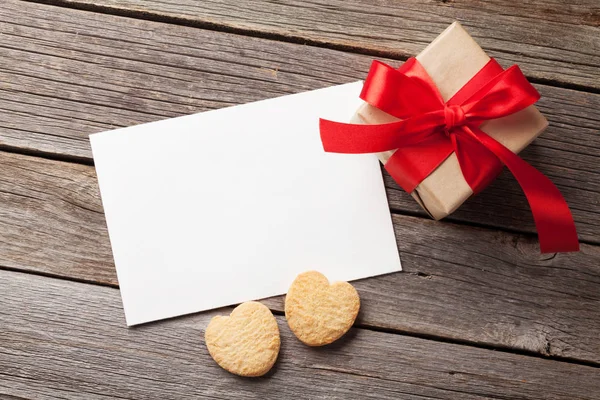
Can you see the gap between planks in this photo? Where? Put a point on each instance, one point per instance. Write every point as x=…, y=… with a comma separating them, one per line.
x=520, y=259
x=210, y=26
x=287, y=38
x=369, y=327
x=393, y=210
x=505, y=293
x=126, y=88
x=75, y=341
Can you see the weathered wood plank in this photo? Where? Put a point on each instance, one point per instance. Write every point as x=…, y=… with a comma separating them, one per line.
x=66, y=239
x=64, y=74
x=551, y=40
x=68, y=340
x=460, y=282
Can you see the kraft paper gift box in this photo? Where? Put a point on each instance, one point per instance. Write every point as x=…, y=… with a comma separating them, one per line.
x=451, y=60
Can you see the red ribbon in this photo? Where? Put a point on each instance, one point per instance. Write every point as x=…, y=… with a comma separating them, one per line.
x=431, y=129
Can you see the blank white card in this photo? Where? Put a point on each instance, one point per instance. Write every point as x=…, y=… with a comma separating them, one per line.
x=226, y=206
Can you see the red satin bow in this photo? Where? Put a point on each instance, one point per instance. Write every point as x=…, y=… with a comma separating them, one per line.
x=430, y=130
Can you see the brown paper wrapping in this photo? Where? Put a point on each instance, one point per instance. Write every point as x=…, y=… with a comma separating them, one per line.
x=451, y=60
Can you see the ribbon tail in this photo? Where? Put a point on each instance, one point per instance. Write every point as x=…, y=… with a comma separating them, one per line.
x=479, y=165
x=553, y=219
x=409, y=173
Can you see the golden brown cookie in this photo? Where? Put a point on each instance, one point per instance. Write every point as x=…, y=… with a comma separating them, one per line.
x=247, y=342
x=319, y=313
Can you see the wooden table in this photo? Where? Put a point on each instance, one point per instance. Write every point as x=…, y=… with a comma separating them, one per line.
x=477, y=313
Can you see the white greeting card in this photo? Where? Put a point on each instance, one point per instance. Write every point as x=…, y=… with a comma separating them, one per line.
x=226, y=206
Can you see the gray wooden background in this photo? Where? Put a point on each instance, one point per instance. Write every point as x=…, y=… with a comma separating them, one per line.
x=478, y=311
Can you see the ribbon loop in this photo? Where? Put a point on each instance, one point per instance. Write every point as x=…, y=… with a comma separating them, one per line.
x=423, y=140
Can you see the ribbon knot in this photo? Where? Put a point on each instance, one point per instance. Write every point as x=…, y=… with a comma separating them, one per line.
x=423, y=137
x=454, y=115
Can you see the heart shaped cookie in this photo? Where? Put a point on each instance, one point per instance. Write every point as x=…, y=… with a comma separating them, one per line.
x=319, y=313
x=247, y=342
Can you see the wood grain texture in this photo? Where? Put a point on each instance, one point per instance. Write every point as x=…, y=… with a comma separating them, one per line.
x=68, y=340
x=66, y=73
x=551, y=40
x=460, y=282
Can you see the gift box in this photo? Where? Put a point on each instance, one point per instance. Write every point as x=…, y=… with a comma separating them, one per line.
x=445, y=123
x=451, y=60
